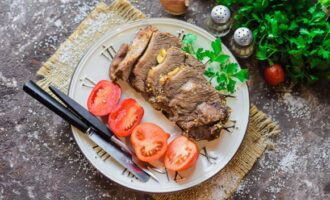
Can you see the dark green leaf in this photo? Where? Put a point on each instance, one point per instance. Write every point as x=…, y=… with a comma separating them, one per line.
x=261, y=54
x=216, y=46
x=221, y=58
x=324, y=53
x=223, y=79
x=304, y=31
x=231, y=86
x=242, y=75
x=209, y=72
x=186, y=49
x=231, y=68
x=200, y=54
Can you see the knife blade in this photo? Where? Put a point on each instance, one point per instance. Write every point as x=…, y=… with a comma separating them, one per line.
x=93, y=121
x=117, y=155
x=43, y=97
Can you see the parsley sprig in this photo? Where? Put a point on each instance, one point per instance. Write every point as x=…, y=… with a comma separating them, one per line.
x=293, y=33
x=225, y=73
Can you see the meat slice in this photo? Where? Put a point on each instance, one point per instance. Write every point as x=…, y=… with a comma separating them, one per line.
x=119, y=57
x=193, y=62
x=174, y=58
x=189, y=100
x=123, y=69
x=158, y=41
x=196, y=98
x=176, y=86
x=212, y=111
x=172, y=81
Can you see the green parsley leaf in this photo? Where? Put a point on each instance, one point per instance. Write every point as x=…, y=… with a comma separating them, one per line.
x=216, y=46
x=231, y=86
x=261, y=54
x=189, y=39
x=293, y=33
x=231, y=68
x=242, y=75
x=221, y=58
x=226, y=74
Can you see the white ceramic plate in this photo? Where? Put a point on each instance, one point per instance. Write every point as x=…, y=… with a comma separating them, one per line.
x=95, y=66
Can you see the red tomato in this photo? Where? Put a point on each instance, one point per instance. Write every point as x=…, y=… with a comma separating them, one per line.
x=149, y=141
x=274, y=74
x=181, y=154
x=126, y=117
x=103, y=98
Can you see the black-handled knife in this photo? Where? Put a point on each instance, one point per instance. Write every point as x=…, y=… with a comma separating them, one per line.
x=102, y=129
x=89, y=118
x=43, y=97
x=122, y=158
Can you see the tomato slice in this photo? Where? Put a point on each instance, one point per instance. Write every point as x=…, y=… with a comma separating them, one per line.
x=149, y=141
x=126, y=117
x=103, y=98
x=181, y=154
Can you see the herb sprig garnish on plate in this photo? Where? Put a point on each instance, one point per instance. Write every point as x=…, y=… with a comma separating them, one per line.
x=222, y=70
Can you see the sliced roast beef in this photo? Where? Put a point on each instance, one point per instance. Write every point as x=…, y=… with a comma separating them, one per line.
x=119, y=57
x=176, y=86
x=206, y=132
x=189, y=100
x=193, y=62
x=174, y=58
x=135, y=50
x=172, y=81
x=158, y=41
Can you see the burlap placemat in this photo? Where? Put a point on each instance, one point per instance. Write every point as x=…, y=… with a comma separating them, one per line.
x=58, y=69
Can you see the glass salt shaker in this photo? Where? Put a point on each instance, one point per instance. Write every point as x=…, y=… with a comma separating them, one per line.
x=242, y=42
x=220, y=21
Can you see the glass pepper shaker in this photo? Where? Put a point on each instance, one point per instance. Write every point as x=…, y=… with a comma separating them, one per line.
x=242, y=42
x=220, y=21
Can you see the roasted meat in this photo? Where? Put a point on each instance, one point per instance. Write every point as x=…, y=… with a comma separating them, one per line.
x=188, y=98
x=119, y=57
x=159, y=40
x=176, y=85
x=122, y=69
x=175, y=57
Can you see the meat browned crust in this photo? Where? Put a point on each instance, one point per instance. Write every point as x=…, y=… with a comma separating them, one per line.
x=119, y=57
x=135, y=50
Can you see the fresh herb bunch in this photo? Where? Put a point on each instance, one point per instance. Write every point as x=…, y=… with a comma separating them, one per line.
x=293, y=33
x=226, y=73
x=325, y=3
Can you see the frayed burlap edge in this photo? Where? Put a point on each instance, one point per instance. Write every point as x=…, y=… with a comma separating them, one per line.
x=58, y=69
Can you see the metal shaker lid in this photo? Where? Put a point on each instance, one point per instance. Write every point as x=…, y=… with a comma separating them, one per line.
x=243, y=36
x=220, y=14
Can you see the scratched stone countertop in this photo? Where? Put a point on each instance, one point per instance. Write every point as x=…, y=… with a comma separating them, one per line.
x=40, y=160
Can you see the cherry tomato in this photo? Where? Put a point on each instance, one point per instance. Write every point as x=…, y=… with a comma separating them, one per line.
x=181, y=154
x=149, y=141
x=126, y=117
x=274, y=74
x=103, y=98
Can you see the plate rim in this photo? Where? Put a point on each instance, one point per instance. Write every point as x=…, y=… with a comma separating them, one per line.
x=117, y=29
